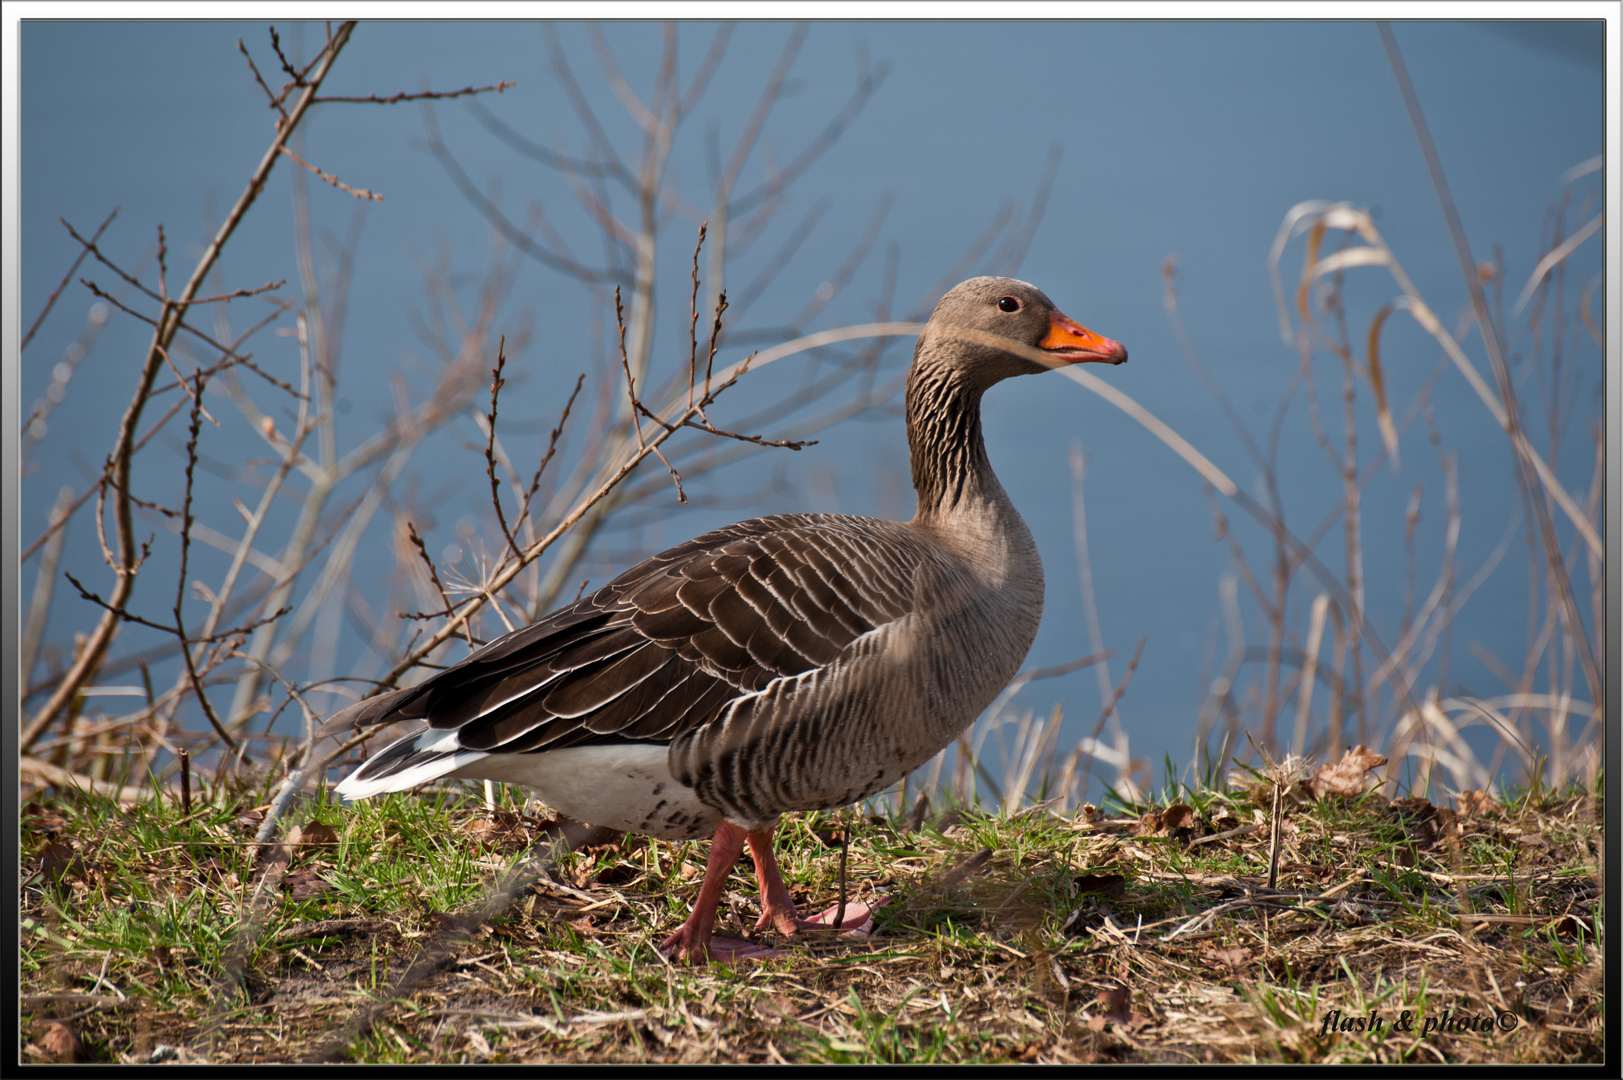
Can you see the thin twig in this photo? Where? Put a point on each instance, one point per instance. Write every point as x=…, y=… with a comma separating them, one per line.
x=273, y=101
x=693, y=316
x=552, y=446
x=128, y=616
x=422, y=550
x=287, y=66
x=496, y=384
x=359, y=193
x=1110, y=707
x=228, y=352
x=638, y=411
x=424, y=95
x=50, y=301
x=185, y=552
x=96, y=645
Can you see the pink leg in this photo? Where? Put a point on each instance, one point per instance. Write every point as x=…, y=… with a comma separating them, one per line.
x=693, y=940
x=778, y=910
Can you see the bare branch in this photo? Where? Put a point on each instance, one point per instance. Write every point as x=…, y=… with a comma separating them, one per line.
x=560, y=67
x=622, y=90
x=90, y=246
x=760, y=280
x=434, y=576
x=126, y=615
x=550, y=158
x=552, y=446
x=185, y=551
x=496, y=384
x=359, y=193
x=763, y=106
x=50, y=302
x=693, y=316
x=423, y=95
x=273, y=100
x=227, y=351
x=287, y=66
x=848, y=269
x=99, y=486
x=707, y=68
x=970, y=257
x=96, y=646
x=514, y=235
x=818, y=146
x=1016, y=243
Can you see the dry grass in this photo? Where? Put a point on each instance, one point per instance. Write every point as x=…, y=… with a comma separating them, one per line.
x=1147, y=936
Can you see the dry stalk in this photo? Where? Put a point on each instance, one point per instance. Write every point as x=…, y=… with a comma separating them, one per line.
x=172, y=312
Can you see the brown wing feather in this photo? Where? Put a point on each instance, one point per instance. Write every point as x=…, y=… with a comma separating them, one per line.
x=660, y=651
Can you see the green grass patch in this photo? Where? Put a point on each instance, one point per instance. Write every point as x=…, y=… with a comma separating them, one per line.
x=391, y=932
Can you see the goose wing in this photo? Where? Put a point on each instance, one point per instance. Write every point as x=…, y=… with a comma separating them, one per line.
x=659, y=651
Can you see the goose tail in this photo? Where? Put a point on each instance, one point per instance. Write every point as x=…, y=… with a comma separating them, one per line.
x=415, y=759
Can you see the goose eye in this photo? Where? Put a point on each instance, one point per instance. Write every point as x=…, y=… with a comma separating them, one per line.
x=1008, y=303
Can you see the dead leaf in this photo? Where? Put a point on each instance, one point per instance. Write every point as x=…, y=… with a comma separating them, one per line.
x=1118, y=1010
x=776, y=1006
x=1179, y=816
x=1474, y=801
x=59, y=862
x=1425, y=822
x=1570, y=925
x=1346, y=777
x=616, y=842
x=36, y=818
x=317, y=838
x=1383, y=415
x=831, y=838
x=1174, y=820
x=579, y=835
x=1117, y=1002
x=618, y=873
x=304, y=883
x=966, y=869
x=915, y=817
x=1111, y=885
x=57, y=1042
x=1232, y=957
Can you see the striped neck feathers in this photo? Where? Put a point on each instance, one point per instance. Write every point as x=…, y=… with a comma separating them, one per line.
x=950, y=466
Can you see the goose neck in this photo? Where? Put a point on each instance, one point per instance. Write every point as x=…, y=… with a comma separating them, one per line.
x=951, y=472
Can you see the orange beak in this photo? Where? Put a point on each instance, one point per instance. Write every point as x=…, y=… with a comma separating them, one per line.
x=1070, y=341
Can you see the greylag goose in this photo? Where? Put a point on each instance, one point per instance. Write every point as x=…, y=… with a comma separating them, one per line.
x=793, y=662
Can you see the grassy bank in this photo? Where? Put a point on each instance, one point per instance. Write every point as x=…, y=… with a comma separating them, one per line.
x=436, y=929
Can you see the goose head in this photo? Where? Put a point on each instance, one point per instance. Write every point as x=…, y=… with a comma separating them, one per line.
x=992, y=328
